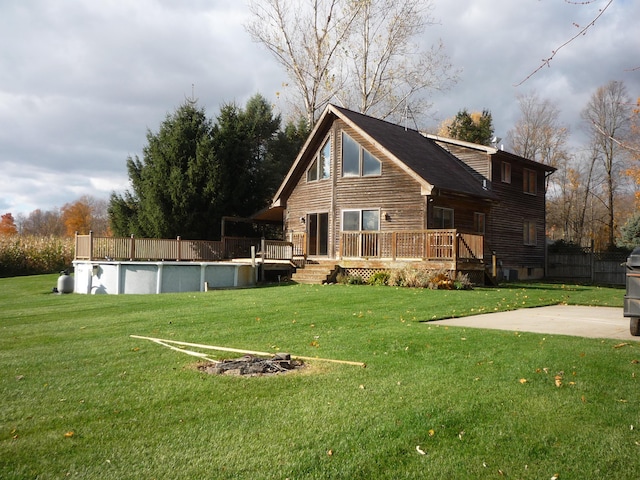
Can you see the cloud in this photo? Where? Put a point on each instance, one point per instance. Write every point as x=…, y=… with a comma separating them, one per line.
x=82, y=82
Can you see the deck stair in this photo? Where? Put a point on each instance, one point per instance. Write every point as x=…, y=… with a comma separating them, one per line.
x=315, y=272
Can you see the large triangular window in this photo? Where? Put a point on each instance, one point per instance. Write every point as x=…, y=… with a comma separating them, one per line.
x=357, y=161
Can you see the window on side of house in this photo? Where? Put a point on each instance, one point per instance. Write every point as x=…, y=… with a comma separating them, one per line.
x=478, y=222
x=505, y=175
x=356, y=161
x=442, y=217
x=360, y=220
x=529, y=232
x=529, y=182
x=320, y=168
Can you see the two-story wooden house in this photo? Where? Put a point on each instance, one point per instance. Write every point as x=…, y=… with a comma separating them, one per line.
x=365, y=195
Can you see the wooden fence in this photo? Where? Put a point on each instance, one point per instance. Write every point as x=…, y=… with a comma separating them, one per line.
x=90, y=247
x=595, y=267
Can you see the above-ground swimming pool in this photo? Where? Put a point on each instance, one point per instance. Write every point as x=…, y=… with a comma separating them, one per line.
x=115, y=277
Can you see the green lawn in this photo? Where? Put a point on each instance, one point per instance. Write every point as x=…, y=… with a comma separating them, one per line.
x=81, y=399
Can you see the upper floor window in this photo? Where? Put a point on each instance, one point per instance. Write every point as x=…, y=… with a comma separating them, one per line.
x=506, y=172
x=356, y=161
x=442, y=217
x=530, y=182
x=321, y=166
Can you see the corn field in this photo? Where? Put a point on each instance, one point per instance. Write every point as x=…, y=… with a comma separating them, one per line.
x=31, y=255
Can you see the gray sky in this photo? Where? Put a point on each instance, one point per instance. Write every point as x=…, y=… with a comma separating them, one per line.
x=82, y=81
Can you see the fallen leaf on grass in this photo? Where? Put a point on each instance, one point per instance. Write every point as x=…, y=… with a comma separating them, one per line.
x=420, y=451
x=69, y=434
x=523, y=380
x=620, y=345
x=330, y=453
x=432, y=432
x=558, y=380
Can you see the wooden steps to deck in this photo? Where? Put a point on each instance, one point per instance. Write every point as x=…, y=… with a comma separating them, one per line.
x=315, y=272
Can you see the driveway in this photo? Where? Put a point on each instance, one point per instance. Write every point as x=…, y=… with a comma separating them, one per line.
x=595, y=322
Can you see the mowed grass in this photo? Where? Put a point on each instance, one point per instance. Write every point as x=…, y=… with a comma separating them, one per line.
x=80, y=398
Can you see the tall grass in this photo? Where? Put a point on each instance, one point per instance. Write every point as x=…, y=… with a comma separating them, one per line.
x=32, y=255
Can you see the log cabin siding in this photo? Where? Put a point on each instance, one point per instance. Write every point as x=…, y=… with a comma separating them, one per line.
x=505, y=227
x=393, y=191
x=477, y=160
x=400, y=190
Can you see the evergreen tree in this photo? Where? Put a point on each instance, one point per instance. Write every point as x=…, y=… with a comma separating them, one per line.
x=282, y=153
x=630, y=232
x=194, y=172
x=472, y=127
x=172, y=186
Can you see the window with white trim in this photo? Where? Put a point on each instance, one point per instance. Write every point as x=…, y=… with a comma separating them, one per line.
x=357, y=161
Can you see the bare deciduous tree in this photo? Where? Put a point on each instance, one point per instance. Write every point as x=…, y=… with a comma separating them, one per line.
x=607, y=116
x=387, y=72
x=304, y=37
x=359, y=52
x=538, y=134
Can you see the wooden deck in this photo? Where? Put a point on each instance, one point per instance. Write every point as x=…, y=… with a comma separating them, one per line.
x=370, y=251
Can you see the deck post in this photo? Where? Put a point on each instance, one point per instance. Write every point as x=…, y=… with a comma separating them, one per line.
x=179, y=241
x=263, y=249
x=394, y=241
x=132, y=249
x=427, y=245
x=454, y=247
x=90, y=245
x=494, y=265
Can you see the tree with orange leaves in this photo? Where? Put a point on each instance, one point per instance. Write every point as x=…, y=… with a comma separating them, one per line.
x=7, y=225
x=77, y=216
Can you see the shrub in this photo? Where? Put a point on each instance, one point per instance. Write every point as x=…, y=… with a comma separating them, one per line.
x=441, y=279
x=350, y=279
x=379, y=278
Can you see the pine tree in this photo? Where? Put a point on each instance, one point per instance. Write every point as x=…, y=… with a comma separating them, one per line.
x=472, y=127
x=172, y=185
x=194, y=172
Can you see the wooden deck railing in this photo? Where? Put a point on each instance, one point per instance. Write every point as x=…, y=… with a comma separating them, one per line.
x=418, y=244
x=90, y=247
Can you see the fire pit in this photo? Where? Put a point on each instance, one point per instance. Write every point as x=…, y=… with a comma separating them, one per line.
x=253, y=366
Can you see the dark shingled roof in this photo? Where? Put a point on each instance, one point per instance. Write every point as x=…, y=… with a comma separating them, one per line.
x=421, y=154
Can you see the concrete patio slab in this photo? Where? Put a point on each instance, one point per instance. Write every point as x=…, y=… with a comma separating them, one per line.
x=594, y=322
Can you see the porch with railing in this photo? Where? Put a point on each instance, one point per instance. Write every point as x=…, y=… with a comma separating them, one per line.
x=423, y=245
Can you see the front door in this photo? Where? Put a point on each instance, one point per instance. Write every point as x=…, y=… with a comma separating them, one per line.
x=318, y=233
